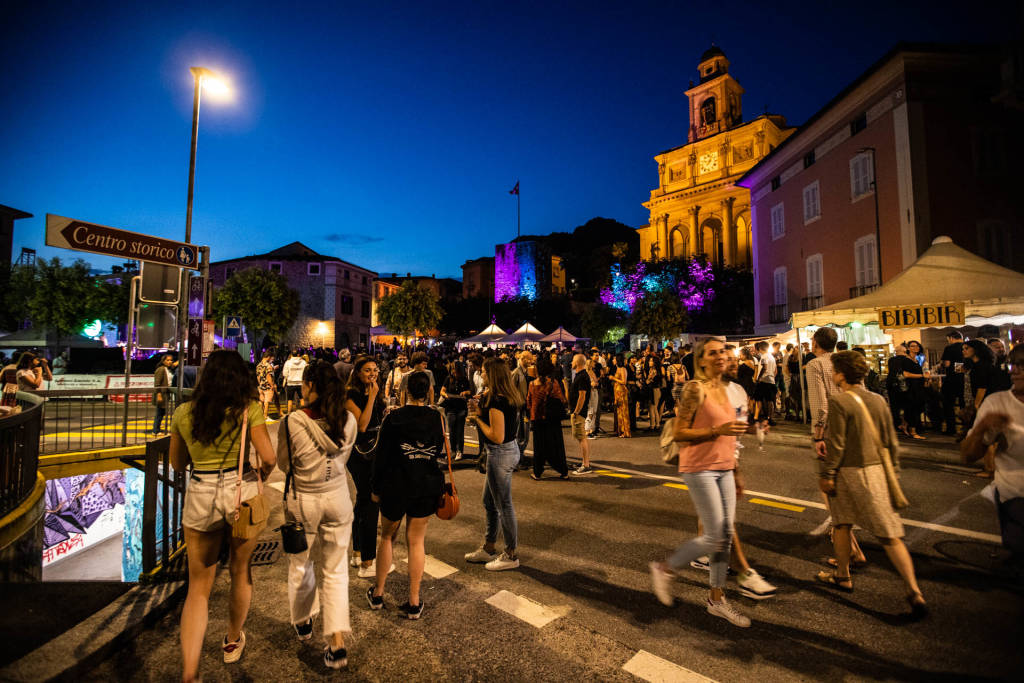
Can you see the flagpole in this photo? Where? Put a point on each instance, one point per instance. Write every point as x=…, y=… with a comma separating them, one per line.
x=517, y=210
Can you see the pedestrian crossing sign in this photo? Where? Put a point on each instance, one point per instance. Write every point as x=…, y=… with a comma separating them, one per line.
x=233, y=326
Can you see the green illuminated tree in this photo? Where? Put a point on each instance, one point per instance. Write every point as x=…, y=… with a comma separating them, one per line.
x=409, y=309
x=659, y=315
x=267, y=304
x=61, y=296
x=598, y=322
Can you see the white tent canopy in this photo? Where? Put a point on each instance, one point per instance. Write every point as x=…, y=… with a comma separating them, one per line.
x=490, y=335
x=944, y=274
x=560, y=335
x=526, y=333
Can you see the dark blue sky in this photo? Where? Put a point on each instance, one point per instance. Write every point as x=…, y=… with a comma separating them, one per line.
x=389, y=134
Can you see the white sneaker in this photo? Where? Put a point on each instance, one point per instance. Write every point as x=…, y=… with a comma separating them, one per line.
x=661, y=582
x=480, y=556
x=233, y=651
x=753, y=585
x=355, y=561
x=582, y=470
x=371, y=571
x=457, y=456
x=502, y=562
x=724, y=610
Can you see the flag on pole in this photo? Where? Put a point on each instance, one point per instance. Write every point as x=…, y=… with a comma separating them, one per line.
x=515, y=190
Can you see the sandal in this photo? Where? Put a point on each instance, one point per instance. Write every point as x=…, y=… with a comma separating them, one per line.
x=918, y=607
x=854, y=564
x=830, y=579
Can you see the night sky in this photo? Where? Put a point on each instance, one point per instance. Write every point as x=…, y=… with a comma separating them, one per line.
x=389, y=134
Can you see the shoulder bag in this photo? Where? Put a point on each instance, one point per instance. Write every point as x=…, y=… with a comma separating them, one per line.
x=896, y=497
x=293, y=533
x=250, y=515
x=371, y=436
x=448, y=503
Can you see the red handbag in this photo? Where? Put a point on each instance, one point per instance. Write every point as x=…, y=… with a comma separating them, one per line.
x=448, y=503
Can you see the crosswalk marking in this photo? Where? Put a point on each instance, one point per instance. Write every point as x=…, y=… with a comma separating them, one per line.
x=436, y=568
x=676, y=486
x=774, y=504
x=657, y=670
x=619, y=475
x=533, y=613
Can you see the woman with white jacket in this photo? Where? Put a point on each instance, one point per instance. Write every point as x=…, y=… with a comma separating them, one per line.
x=313, y=447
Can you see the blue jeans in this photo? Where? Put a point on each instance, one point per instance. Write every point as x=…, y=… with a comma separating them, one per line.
x=501, y=463
x=713, y=493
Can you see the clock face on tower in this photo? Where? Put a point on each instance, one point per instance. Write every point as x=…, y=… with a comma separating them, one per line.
x=708, y=162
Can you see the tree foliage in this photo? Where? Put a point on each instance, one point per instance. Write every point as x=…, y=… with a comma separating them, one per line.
x=409, y=310
x=61, y=298
x=15, y=292
x=599, y=320
x=267, y=304
x=659, y=315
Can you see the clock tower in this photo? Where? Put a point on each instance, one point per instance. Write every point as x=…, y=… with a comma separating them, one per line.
x=716, y=102
x=697, y=211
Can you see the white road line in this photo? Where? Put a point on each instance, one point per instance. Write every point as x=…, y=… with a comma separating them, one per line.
x=436, y=568
x=533, y=613
x=954, y=531
x=657, y=670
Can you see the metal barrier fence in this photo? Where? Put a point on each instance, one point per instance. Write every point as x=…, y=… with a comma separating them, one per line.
x=90, y=419
x=163, y=537
x=19, y=452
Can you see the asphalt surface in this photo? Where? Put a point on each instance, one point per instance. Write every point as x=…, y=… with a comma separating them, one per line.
x=584, y=547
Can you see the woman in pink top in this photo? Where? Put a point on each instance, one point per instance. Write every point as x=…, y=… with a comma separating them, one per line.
x=706, y=423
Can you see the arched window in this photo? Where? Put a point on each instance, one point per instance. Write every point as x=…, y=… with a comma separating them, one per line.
x=708, y=112
x=677, y=244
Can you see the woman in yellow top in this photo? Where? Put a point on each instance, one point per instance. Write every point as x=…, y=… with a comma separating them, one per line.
x=204, y=434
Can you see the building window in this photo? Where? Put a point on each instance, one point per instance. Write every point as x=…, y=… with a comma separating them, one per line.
x=812, y=203
x=865, y=261
x=346, y=304
x=814, y=286
x=228, y=272
x=859, y=124
x=275, y=267
x=346, y=275
x=364, y=279
x=776, y=182
x=366, y=308
x=781, y=294
x=861, y=180
x=809, y=159
x=707, y=112
x=313, y=269
x=778, y=222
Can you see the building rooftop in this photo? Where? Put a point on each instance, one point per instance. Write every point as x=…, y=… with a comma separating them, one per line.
x=296, y=251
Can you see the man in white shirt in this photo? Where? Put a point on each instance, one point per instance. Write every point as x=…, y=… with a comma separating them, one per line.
x=396, y=378
x=292, y=371
x=419, y=364
x=766, y=389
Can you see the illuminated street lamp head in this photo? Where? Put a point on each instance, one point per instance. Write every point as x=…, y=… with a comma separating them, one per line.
x=212, y=82
x=321, y=329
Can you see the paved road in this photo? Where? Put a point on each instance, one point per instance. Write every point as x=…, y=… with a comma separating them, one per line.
x=585, y=545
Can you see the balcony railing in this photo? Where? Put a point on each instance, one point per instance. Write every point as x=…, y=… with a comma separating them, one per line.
x=861, y=290
x=809, y=303
x=778, y=313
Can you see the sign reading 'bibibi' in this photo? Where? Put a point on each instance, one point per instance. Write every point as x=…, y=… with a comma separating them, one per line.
x=936, y=315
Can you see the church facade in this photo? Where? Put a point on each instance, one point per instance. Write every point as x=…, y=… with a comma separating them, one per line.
x=697, y=209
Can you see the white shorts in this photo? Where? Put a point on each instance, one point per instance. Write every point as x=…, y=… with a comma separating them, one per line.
x=210, y=499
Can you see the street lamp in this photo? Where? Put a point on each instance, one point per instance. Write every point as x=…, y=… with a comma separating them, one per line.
x=322, y=331
x=204, y=78
x=878, y=232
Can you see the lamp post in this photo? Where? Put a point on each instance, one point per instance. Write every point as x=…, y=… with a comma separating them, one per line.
x=322, y=329
x=878, y=232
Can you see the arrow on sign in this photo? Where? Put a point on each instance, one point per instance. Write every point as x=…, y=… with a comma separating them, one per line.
x=69, y=233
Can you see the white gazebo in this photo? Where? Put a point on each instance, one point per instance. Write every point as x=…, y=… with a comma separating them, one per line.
x=491, y=335
x=525, y=334
x=561, y=336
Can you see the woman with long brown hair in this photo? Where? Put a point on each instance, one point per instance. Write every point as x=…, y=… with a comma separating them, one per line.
x=495, y=417
x=205, y=433
x=547, y=405
x=620, y=380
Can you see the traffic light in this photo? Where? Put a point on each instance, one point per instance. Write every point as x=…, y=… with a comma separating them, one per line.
x=156, y=327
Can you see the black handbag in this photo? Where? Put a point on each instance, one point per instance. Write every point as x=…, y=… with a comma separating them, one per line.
x=293, y=533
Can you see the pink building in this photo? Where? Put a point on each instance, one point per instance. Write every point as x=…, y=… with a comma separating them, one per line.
x=933, y=125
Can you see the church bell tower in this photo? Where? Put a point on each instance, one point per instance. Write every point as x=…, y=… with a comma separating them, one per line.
x=716, y=102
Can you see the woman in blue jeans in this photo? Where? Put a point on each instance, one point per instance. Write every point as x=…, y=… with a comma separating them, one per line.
x=706, y=423
x=495, y=417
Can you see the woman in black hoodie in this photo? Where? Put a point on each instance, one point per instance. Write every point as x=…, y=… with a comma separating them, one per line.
x=407, y=482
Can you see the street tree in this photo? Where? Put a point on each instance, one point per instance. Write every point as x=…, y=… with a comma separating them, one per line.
x=61, y=296
x=409, y=310
x=16, y=286
x=599, y=321
x=659, y=315
x=267, y=304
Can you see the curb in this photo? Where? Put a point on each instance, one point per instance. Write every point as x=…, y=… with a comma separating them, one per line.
x=73, y=653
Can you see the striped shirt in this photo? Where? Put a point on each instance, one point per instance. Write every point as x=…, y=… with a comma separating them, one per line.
x=820, y=388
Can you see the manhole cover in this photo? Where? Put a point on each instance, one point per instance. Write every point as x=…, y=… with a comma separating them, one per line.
x=266, y=552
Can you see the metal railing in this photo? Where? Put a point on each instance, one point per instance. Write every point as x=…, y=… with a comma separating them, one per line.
x=90, y=419
x=809, y=303
x=861, y=290
x=19, y=452
x=778, y=313
x=163, y=537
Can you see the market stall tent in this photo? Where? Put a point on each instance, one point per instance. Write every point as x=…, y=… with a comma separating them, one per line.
x=490, y=335
x=560, y=335
x=944, y=274
x=526, y=333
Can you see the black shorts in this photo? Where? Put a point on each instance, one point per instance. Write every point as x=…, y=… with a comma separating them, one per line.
x=293, y=392
x=765, y=391
x=396, y=507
